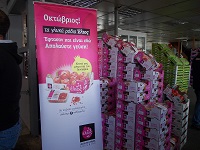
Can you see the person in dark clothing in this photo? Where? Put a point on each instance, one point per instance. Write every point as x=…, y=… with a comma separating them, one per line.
x=10, y=87
x=196, y=86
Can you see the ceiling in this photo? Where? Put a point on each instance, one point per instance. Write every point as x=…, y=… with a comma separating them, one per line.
x=162, y=20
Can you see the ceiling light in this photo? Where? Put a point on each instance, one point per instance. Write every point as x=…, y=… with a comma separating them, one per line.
x=161, y=34
x=181, y=22
x=81, y=3
x=129, y=11
x=182, y=38
x=197, y=30
x=175, y=22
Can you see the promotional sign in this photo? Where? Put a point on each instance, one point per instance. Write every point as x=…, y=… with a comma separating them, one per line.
x=69, y=91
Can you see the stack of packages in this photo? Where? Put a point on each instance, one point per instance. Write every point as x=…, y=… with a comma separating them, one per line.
x=128, y=91
x=180, y=116
x=159, y=51
x=185, y=77
x=194, y=53
x=108, y=127
x=139, y=84
x=153, y=126
x=176, y=76
x=177, y=70
x=108, y=93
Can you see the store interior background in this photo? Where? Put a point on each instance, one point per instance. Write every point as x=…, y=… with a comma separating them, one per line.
x=141, y=21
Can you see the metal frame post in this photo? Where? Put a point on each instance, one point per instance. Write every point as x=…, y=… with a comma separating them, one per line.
x=32, y=74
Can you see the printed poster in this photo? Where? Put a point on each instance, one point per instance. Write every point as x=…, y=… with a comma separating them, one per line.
x=69, y=91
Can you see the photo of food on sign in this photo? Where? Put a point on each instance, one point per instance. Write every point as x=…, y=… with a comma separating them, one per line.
x=69, y=79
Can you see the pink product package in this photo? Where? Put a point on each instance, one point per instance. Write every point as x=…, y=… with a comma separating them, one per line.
x=157, y=84
x=109, y=145
x=130, y=75
x=126, y=66
x=151, y=110
x=111, y=41
x=151, y=122
x=159, y=67
x=104, y=59
x=130, y=67
x=109, y=73
x=153, y=75
x=104, y=98
x=156, y=92
x=109, y=58
x=181, y=106
x=125, y=47
x=103, y=117
x=113, y=66
x=109, y=126
x=121, y=67
x=110, y=120
x=137, y=74
x=131, y=57
x=135, y=86
x=105, y=63
x=103, y=91
x=179, y=131
x=127, y=125
x=126, y=143
x=103, y=101
x=133, y=96
x=110, y=130
x=105, y=51
x=119, y=44
x=108, y=107
x=144, y=60
x=105, y=82
x=152, y=132
x=108, y=94
x=121, y=57
x=108, y=83
x=121, y=147
x=126, y=106
x=170, y=107
x=110, y=137
x=179, y=122
x=125, y=115
x=113, y=58
x=179, y=114
x=150, y=143
x=107, y=91
x=113, y=51
x=100, y=43
x=127, y=134
x=109, y=66
x=158, y=99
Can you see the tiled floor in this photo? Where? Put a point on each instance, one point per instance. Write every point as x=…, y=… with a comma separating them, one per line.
x=29, y=142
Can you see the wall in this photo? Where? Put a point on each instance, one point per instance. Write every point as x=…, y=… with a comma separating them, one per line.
x=16, y=29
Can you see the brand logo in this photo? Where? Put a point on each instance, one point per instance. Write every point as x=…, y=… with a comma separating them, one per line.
x=87, y=132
